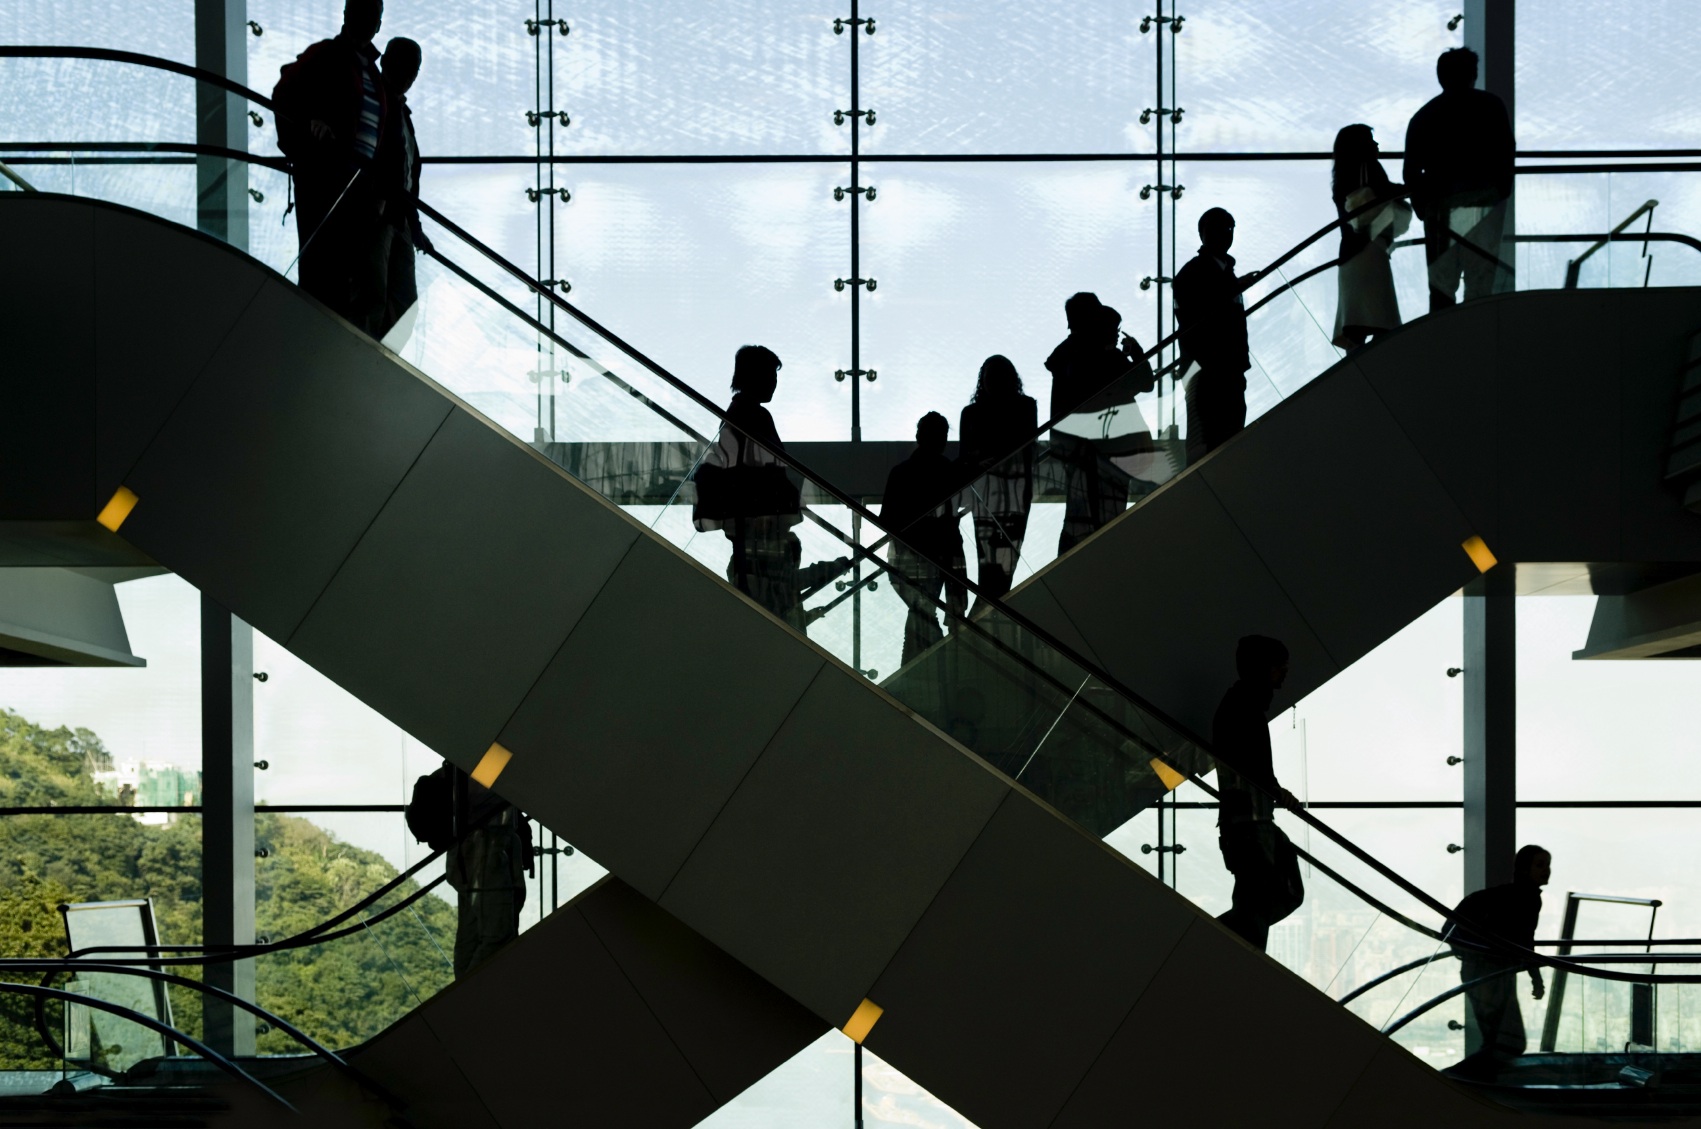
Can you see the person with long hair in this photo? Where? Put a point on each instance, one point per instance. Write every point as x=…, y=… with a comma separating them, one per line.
x=1367, y=303
x=993, y=424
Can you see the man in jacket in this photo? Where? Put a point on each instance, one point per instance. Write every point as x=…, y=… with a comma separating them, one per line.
x=331, y=108
x=920, y=510
x=1491, y=928
x=1267, y=885
x=1459, y=158
x=1212, y=316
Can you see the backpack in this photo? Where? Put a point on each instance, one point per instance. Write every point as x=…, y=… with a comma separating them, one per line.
x=431, y=812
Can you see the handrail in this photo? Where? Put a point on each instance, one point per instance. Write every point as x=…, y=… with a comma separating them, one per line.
x=1574, y=269
x=64, y=964
x=826, y=486
x=6, y=171
x=42, y=992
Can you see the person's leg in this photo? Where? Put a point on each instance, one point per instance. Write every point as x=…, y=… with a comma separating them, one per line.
x=1224, y=408
x=1440, y=251
x=1243, y=859
x=994, y=551
x=1196, y=447
x=1484, y=276
x=1075, y=455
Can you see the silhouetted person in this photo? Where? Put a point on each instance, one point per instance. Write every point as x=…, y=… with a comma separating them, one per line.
x=1366, y=304
x=743, y=489
x=1094, y=378
x=920, y=509
x=1487, y=922
x=398, y=167
x=1267, y=886
x=487, y=870
x=331, y=108
x=994, y=438
x=1459, y=158
x=1212, y=316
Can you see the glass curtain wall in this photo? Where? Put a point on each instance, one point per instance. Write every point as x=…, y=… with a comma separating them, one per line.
x=886, y=203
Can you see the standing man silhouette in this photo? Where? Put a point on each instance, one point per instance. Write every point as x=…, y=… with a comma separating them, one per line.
x=1212, y=316
x=1459, y=157
x=1267, y=885
x=398, y=166
x=331, y=108
x=1489, y=927
x=920, y=511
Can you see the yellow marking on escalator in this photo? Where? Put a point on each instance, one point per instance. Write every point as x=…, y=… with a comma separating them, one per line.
x=491, y=764
x=1171, y=778
x=1477, y=550
x=862, y=1020
x=112, y=515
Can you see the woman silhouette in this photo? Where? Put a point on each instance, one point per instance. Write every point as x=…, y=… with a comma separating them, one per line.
x=1367, y=305
x=993, y=423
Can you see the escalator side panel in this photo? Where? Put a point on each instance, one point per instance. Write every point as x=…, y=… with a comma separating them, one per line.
x=1447, y=405
x=147, y=363
x=1337, y=541
x=730, y=1024
x=710, y=683
x=1032, y=954
x=831, y=849
x=1224, y=1036
x=1165, y=597
x=411, y=1062
x=309, y=429
x=464, y=586
x=1560, y=461
x=48, y=362
x=1397, y=1092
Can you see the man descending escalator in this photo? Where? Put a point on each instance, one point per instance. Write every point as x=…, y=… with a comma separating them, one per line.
x=488, y=853
x=1490, y=926
x=1267, y=885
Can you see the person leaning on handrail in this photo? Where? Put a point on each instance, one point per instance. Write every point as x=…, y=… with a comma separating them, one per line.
x=1212, y=315
x=1486, y=923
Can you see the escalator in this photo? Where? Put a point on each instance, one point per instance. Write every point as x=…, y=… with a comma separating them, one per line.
x=827, y=835
x=835, y=845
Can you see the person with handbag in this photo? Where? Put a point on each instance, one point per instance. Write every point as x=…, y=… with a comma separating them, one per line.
x=1096, y=372
x=743, y=488
x=993, y=432
x=1267, y=885
x=1367, y=304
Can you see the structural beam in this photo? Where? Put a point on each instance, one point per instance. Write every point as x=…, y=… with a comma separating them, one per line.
x=221, y=119
x=1491, y=732
x=227, y=820
x=1490, y=30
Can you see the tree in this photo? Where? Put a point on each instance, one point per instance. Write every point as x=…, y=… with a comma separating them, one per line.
x=340, y=992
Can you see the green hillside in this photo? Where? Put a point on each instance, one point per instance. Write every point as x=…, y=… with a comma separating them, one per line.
x=341, y=993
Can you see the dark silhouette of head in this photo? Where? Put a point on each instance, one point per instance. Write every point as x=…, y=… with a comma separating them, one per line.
x=362, y=19
x=1216, y=230
x=931, y=431
x=1457, y=69
x=998, y=380
x=1082, y=312
x=756, y=372
x=1109, y=322
x=1532, y=864
x=400, y=65
x=1261, y=660
x=1354, y=145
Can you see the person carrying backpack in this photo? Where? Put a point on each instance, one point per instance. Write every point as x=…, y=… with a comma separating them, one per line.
x=331, y=104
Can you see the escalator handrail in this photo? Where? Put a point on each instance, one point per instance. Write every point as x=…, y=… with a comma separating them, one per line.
x=318, y=1049
x=42, y=992
x=532, y=284
x=826, y=486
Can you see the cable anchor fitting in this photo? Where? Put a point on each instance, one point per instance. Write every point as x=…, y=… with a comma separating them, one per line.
x=867, y=373
x=1453, y=24
x=839, y=116
x=840, y=193
x=533, y=118
x=841, y=283
x=256, y=29
x=536, y=194
x=258, y=196
x=534, y=26
x=1147, y=114
x=259, y=122
x=840, y=25
x=1174, y=23
x=556, y=284
x=1174, y=190
x=1177, y=849
x=1161, y=280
